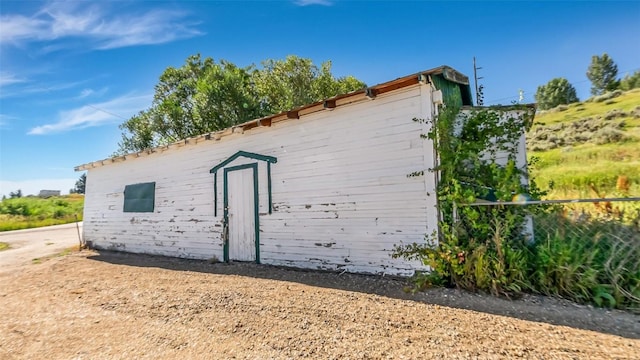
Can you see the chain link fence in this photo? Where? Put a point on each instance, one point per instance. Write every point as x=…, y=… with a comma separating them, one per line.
x=581, y=247
x=578, y=218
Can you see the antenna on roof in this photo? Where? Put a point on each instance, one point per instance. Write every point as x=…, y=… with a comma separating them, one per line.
x=479, y=88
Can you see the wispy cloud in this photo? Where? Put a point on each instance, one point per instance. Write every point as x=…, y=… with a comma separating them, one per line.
x=17, y=27
x=90, y=92
x=313, y=2
x=8, y=79
x=115, y=110
x=4, y=119
x=84, y=93
x=94, y=23
x=29, y=88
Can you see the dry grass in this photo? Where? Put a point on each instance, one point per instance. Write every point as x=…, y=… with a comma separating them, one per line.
x=64, y=252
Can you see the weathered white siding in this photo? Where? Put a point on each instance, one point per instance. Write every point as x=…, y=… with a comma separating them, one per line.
x=341, y=195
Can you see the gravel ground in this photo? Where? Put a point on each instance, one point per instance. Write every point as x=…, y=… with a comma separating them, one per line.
x=106, y=305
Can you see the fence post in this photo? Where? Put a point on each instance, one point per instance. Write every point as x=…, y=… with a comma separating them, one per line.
x=81, y=244
x=455, y=213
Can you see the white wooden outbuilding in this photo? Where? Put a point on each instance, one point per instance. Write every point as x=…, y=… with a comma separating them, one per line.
x=324, y=186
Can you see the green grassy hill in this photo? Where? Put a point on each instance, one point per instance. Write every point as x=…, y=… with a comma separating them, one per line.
x=589, y=146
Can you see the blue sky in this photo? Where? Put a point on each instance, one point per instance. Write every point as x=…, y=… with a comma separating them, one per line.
x=71, y=72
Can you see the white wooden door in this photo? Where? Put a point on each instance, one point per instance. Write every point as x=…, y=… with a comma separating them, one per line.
x=242, y=234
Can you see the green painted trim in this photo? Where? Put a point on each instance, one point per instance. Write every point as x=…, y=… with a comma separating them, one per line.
x=215, y=195
x=246, y=154
x=225, y=220
x=256, y=206
x=256, y=212
x=269, y=187
x=214, y=170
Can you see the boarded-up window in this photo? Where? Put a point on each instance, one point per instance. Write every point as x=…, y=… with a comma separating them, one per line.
x=139, y=197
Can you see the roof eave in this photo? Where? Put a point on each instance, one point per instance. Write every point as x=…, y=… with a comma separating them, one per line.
x=336, y=101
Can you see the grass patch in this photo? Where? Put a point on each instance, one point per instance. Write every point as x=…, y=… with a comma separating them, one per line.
x=588, y=145
x=19, y=223
x=32, y=212
x=65, y=252
x=4, y=246
x=627, y=102
x=577, y=168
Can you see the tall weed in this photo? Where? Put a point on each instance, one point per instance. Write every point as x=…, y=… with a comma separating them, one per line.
x=587, y=260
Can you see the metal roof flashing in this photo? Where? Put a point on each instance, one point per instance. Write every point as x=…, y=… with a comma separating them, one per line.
x=329, y=104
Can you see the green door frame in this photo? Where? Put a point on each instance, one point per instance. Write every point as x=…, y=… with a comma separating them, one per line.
x=254, y=167
x=268, y=159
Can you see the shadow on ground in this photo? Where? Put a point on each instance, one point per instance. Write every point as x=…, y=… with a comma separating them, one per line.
x=529, y=307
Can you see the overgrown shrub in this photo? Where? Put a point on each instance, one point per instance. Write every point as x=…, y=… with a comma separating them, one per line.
x=585, y=130
x=606, y=96
x=578, y=256
x=614, y=114
x=483, y=248
x=609, y=135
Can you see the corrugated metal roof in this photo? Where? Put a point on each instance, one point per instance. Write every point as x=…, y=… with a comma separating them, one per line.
x=339, y=100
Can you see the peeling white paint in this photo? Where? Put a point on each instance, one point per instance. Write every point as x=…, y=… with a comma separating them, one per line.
x=340, y=181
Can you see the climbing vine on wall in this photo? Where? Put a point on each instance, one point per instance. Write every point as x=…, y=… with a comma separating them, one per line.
x=477, y=247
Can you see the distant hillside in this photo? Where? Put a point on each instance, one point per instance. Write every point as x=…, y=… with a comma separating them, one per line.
x=589, y=146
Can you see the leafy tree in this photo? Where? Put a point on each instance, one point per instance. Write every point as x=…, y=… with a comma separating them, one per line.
x=80, y=185
x=138, y=133
x=602, y=73
x=199, y=97
x=204, y=96
x=630, y=81
x=556, y=92
x=286, y=84
x=15, y=194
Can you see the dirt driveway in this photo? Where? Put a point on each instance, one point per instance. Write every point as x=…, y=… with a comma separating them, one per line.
x=29, y=244
x=105, y=305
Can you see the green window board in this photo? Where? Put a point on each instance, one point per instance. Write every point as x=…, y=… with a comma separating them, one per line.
x=140, y=197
